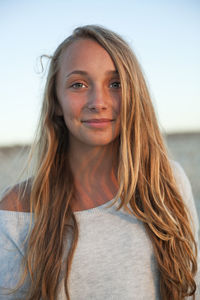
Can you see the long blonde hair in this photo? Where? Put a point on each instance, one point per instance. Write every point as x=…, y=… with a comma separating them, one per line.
x=145, y=178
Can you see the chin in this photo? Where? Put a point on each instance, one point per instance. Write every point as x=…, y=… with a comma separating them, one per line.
x=100, y=142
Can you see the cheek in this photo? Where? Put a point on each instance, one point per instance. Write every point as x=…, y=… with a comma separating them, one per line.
x=118, y=104
x=71, y=111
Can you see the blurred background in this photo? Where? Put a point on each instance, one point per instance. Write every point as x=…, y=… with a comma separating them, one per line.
x=164, y=36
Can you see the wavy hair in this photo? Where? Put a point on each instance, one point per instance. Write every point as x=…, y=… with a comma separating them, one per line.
x=147, y=187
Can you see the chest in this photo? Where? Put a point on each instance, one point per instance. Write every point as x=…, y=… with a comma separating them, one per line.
x=114, y=259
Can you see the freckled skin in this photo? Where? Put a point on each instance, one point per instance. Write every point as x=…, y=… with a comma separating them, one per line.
x=88, y=87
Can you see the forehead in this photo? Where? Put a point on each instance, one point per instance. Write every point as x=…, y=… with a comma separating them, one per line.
x=85, y=54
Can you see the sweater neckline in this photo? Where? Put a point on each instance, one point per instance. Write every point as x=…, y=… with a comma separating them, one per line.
x=98, y=209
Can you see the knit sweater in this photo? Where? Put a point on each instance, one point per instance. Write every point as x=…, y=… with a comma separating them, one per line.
x=114, y=258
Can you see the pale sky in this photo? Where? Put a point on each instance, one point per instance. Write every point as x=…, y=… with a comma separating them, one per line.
x=165, y=35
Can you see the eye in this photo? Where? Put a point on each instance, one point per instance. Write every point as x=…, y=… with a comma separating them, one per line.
x=115, y=85
x=78, y=85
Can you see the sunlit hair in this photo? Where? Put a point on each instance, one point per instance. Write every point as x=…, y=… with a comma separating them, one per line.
x=147, y=186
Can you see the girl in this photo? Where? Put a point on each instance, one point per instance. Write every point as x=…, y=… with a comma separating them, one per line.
x=105, y=215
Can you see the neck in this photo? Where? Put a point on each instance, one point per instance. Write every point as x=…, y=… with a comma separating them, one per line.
x=95, y=174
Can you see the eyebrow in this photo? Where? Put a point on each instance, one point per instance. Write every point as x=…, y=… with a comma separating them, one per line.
x=80, y=72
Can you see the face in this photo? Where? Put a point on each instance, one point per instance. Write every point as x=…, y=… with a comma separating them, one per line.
x=89, y=94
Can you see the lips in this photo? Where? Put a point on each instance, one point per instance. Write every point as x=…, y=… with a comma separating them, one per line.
x=98, y=123
x=98, y=120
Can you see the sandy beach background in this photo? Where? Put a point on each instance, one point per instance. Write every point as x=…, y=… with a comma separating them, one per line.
x=184, y=148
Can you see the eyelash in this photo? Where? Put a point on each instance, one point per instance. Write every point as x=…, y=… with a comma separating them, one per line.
x=118, y=84
x=79, y=85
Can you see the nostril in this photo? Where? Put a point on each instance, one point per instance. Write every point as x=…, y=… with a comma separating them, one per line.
x=96, y=107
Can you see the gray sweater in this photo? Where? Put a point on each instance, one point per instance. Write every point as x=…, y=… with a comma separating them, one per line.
x=114, y=258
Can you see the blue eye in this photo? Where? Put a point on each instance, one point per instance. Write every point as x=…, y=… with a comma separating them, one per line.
x=77, y=85
x=115, y=85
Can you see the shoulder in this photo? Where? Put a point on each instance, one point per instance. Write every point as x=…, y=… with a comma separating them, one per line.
x=17, y=198
x=15, y=225
x=182, y=181
x=185, y=190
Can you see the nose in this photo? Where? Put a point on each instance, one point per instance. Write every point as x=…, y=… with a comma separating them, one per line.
x=98, y=99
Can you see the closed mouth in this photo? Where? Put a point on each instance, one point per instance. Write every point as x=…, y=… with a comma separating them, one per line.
x=98, y=120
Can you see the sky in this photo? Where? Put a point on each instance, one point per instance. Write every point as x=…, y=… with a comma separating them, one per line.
x=165, y=36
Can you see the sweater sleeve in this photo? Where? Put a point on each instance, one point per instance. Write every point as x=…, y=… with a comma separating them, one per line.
x=13, y=230
x=186, y=193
